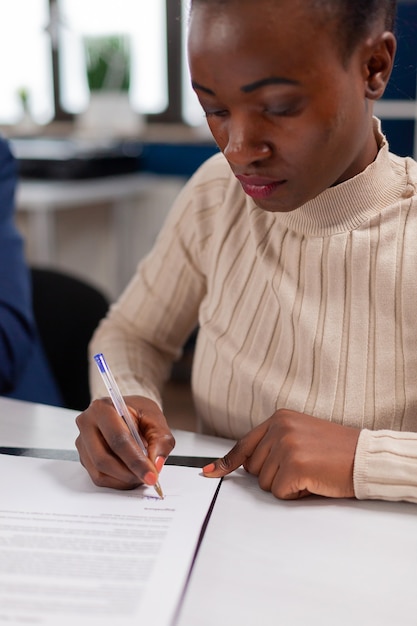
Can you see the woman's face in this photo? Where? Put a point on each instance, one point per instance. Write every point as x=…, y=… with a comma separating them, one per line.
x=290, y=116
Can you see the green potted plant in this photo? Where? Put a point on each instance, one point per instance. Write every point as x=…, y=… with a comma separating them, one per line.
x=107, y=64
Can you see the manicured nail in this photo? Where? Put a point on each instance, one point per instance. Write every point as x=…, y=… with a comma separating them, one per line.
x=150, y=478
x=159, y=463
x=209, y=468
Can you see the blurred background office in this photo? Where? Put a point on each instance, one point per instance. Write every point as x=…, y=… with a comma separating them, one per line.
x=97, y=104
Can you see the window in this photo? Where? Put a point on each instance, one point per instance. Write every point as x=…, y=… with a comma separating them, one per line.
x=159, y=73
x=143, y=21
x=192, y=112
x=25, y=50
x=28, y=34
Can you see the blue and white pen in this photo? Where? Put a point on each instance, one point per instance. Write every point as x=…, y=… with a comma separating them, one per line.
x=121, y=407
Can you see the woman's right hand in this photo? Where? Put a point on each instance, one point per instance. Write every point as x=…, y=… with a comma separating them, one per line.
x=109, y=452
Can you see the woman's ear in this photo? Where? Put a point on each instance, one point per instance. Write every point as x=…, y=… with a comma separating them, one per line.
x=379, y=63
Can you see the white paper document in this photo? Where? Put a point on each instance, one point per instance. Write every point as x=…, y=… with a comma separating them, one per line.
x=73, y=553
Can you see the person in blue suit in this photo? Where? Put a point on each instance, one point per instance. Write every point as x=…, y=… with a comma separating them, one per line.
x=24, y=371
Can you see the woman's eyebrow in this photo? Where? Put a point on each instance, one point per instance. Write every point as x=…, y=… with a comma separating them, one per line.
x=272, y=80
x=199, y=87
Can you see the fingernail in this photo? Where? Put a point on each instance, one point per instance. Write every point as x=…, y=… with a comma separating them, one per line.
x=159, y=463
x=150, y=478
x=209, y=468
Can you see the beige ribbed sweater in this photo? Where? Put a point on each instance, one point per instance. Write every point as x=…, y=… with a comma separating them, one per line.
x=313, y=310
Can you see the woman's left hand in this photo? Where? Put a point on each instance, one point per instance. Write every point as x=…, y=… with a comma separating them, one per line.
x=295, y=455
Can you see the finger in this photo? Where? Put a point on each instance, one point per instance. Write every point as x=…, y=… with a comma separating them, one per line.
x=108, y=450
x=264, y=459
x=297, y=495
x=126, y=451
x=115, y=475
x=237, y=456
x=156, y=433
x=286, y=488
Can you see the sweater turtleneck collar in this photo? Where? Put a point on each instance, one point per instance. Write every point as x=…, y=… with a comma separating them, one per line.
x=347, y=205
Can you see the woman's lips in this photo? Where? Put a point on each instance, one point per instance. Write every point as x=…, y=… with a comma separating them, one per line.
x=258, y=187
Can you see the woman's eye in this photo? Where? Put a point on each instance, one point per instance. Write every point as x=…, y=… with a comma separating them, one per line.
x=279, y=110
x=283, y=109
x=215, y=113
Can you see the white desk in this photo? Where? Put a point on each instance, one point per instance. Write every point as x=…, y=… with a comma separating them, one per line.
x=313, y=562
x=29, y=425
x=41, y=199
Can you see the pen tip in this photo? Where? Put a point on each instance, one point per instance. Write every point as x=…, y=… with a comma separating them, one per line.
x=159, y=490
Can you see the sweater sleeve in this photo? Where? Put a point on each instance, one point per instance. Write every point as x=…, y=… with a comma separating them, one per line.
x=146, y=328
x=386, y=466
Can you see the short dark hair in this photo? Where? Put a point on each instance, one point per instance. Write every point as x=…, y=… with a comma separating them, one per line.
x=356, y=17
x=353, y=17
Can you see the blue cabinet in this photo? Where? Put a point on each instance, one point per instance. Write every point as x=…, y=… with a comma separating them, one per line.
x=398, y=107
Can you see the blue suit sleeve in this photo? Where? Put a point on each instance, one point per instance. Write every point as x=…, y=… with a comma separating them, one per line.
x=17, y=328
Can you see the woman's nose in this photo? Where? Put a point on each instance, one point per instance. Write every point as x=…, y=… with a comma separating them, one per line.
x=244, y=144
